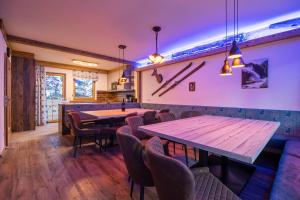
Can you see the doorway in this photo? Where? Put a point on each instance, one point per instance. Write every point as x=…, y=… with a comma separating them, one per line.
x=55, y=94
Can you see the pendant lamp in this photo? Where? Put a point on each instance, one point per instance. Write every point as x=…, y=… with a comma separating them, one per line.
x=235, y=51
x=123, y=78
x=226, y=69
x=156, y=58
x=237, y=62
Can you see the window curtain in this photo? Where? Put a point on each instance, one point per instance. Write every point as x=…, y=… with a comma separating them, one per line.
x=85, y=75
x=40, y=96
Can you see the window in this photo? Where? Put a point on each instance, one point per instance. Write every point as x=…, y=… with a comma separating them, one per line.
x=84, y=89
x=55, y=93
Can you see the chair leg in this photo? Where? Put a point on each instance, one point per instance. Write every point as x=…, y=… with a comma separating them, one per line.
x=142, y=192
x=131, y=188
x=75, y=146
x=174, y=147
x=129, y=178
x=195, y=154
x=105, y=144
x=80, y=142
x=186, y=156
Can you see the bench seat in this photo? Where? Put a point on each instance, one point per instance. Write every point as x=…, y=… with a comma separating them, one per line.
x=287, y=181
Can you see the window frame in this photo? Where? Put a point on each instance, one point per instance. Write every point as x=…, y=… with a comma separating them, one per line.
x=84, y=98
x=63, y=82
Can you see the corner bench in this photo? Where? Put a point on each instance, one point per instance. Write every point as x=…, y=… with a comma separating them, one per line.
x=287, y=181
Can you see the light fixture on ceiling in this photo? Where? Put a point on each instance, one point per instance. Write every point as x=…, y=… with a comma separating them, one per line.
x=226, y=68
x=84, y=63
x=237, y=62
x=235, y=51
x=123, y=78
x=156, y=58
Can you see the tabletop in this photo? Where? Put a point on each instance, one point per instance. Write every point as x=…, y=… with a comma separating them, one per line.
x=104, y=114
x=236, y=138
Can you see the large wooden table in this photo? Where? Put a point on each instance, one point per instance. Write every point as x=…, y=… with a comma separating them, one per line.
x=105, y=114
x=235, y=138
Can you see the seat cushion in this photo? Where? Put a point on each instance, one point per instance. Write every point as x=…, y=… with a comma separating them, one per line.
x=209, y=187
x=287, y=181
x=292, y=148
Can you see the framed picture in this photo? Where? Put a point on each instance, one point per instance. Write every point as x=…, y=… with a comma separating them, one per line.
x=255, y=74
x=192, y=86
x=114, y=86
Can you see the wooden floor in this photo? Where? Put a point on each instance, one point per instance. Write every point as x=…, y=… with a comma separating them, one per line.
x=39, y=165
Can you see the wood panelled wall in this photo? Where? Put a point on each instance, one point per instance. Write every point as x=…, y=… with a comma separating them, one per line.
x=23, y=92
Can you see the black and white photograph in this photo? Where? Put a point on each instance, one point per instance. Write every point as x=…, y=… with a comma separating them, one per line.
x=255, y=74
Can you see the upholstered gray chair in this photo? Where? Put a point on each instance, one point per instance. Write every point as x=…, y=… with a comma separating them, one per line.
x=174, y=180
x=134, y=123
x=132, y=150
x=168, y=116
x=190, y=113
x=150, y=117
x=81, y=132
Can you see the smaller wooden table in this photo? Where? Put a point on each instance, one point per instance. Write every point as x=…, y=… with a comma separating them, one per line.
x=105, y=114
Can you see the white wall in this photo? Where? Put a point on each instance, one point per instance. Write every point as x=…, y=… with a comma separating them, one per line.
x=2, y=52
x=213, y=90
x=101, y=84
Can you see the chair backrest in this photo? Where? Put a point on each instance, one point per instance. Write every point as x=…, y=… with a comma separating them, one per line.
x=67, y=119
x=164, y=110
x=132, y=150
x=150, y=117
x=172, y=179
x=190, y=113
x=132, y=114
x=75, y=121
x=164, y=117
x=134, y=122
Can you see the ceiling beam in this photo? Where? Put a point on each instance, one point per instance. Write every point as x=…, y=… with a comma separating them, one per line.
x=259, y=41
x=20, y=40
x=70, y=67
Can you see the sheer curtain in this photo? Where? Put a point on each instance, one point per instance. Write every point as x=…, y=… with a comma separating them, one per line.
x=85, y=75
x=40, y=96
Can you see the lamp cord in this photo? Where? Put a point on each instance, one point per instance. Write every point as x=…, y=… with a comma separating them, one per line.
x=226, y=8
x=156, y=38
x=237, y=17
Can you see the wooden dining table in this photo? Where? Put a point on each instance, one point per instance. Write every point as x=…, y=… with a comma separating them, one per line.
x=236, y=139
x=106, y=114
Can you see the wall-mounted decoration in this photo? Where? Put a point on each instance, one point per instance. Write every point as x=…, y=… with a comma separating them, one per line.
x=255, y=74
x=114, y=85
x=159, y=77
x=171, y=79
x=192, y=86
x=182, y=79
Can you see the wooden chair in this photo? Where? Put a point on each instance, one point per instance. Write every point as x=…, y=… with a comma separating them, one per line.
x=132, y=151
x=174, y=180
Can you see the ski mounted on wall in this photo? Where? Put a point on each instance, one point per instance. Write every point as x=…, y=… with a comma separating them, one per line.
x=182, y=79
x=171, y=79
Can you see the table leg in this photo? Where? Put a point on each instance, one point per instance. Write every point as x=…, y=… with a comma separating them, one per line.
x=224, y=169
x=203, y=158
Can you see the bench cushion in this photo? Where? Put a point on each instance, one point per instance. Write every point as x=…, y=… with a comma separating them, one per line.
x=292, y=148
x=287, y=181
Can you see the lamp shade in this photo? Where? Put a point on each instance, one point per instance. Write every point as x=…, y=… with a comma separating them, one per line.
x=123, y=78
x=226, y=69
x=235, y=51
x=238, y=63
x=156, y=58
